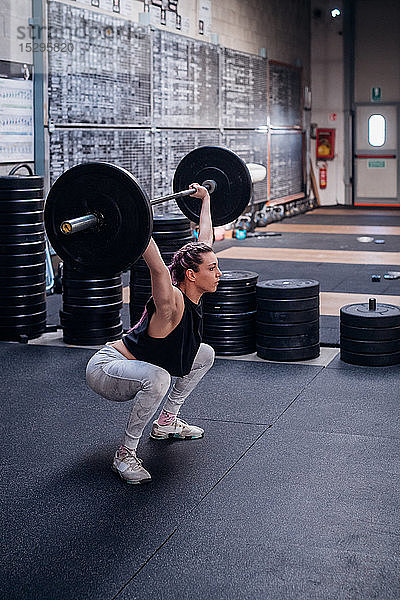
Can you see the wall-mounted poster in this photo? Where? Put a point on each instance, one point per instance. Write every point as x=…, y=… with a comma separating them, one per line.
x=16, y=112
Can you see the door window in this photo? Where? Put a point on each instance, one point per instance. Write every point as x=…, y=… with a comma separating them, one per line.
x=376, y=130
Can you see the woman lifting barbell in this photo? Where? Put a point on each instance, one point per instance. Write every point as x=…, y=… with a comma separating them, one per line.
x=165, y=342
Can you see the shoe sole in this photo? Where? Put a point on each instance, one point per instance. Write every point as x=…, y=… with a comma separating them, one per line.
x=176, y=436
x=130, y=481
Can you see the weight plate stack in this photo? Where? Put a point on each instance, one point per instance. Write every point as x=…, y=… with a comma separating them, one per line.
x=170, y=233
x=91, y=308
x=229, y=323
x=370, y=334
x=287, y=320
x=22, y=257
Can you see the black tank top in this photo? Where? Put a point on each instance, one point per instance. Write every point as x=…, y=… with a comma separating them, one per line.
x=176, y=352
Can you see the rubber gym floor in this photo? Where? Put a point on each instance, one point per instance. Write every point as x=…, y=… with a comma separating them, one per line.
x=292, y=494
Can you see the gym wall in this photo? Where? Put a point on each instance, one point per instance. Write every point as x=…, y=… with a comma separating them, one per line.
x=13, y=14
x=93, y=114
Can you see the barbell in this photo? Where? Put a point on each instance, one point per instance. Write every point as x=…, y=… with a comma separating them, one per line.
x=99, y=219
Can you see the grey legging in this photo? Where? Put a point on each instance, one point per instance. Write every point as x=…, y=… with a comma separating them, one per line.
x=117, y=378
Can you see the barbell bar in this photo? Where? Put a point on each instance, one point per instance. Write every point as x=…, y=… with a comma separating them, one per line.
x=89, y=221
x=110, y=216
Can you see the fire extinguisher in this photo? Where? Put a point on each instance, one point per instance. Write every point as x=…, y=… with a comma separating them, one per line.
x=323, y=176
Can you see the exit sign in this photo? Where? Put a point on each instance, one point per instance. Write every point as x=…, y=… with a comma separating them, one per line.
x=376, y=94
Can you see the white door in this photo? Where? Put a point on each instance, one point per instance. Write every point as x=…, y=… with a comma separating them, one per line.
x=376, y=155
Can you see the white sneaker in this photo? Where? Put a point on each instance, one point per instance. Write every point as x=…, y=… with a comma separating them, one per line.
x=178, y=429
x=129, y=466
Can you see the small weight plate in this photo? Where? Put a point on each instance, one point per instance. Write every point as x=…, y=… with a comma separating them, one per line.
x=359, y=315
x=169, y=222
x=22, y=300
x=231, y=307
x=22, y=249
x=24, y=310
x=233, y=183
x=370, y=360
x=237, y=279
x=21, y=182
x=287, y=288
x=275, y=304
x=8, y=229
x=23, y=319
x=229, y=318
x=291, y=341
x=294, y=316
x=237, y=294
x=124, y=210
x=370, y=333
x=22, y=290
x=21, y=260
x=286, y=329
x=173, y=244
x=288, y=354
x=370, y=347
x=161, y=236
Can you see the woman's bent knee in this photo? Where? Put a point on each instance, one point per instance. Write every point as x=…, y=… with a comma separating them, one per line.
x=205, y=355
x=157, y=382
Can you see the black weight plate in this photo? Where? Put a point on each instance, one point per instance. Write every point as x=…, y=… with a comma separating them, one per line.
x=170, y=221
x=20, y=182
x=137, y=291
x=370, y=347
x=98, y=293
x=21, y=229
x=287, y=288
x=91, y=305
x=96, y=319
x=288, y=354
x=269, y=304
x=238, y=279
x=16, y=196
x=283, y=329
x=91, y=300
x=222, y=296
x=229, y=318
x=108, y=190
x=140, y=292
x=12, y=334
x=172, y=247
x=22, y=300
x=370, y=333
x=24, y=310
x=159, y=236
x=91, y=313
x=234, y=328
x=359, y=315
x=86, y=332
x=21, y=260
x=88, y=284
x=370, y=360
x=16, y=291
x=17, y=281
x=234, y=185
x=139, y=280
x=294, y=316
x=22, y=218
x=18, y=249
x=235, y=351
x=22, y=238
x=90, y=341
x=227, y=308
x=140, y=273
x=24, y=270
x=23, y=319
x=291, y=341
